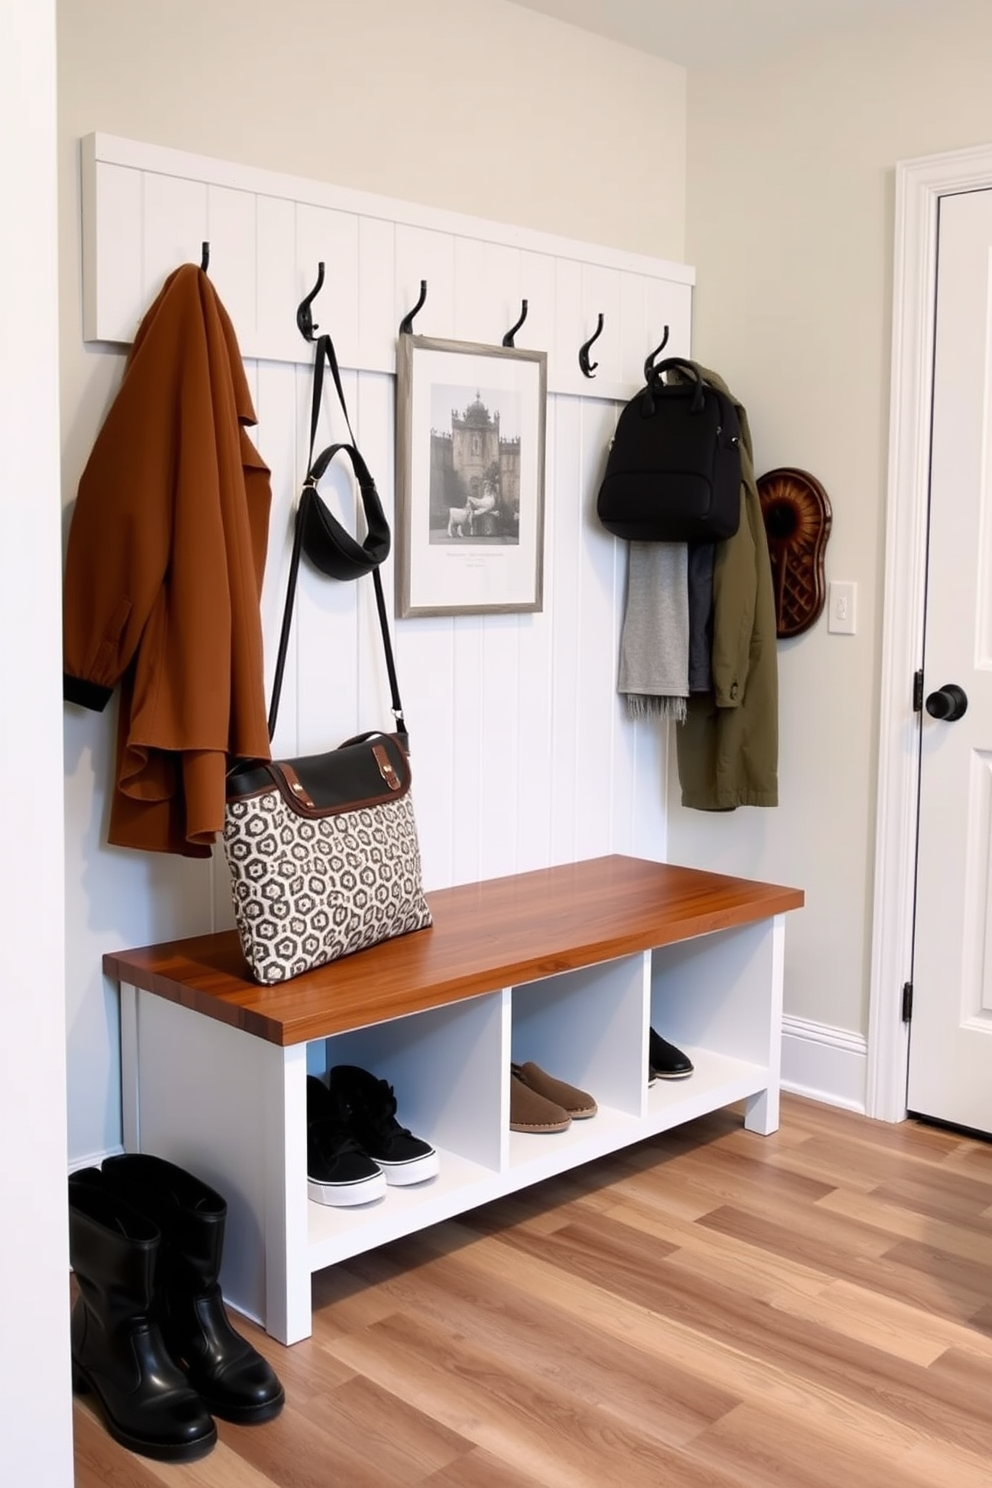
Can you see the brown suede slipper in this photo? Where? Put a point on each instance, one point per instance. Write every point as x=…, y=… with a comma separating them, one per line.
x=531, y=1112
x=578, y=1103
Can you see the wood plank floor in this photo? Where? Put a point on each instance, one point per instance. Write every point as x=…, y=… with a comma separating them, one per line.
x=709, y=1309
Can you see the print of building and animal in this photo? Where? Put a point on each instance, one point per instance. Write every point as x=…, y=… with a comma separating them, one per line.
x=475, y=479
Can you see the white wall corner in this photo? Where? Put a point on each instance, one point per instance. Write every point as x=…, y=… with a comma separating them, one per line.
x=35, y=1402
x=824, y=1064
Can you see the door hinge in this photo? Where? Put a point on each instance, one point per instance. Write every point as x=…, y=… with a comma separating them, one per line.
x=907, y=1002
x=918, y=691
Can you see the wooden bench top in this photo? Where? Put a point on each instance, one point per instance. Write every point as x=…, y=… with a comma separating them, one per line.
x=499, y=933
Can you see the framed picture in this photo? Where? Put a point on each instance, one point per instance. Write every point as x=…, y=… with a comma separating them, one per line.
x=469, y=477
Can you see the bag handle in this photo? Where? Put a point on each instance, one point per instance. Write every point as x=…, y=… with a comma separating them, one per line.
x=673, y=364
x=329, y=546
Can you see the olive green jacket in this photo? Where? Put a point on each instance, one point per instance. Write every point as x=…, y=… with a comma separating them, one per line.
x=728, y=745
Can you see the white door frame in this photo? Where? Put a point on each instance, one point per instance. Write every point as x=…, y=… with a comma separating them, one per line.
x=919, y=186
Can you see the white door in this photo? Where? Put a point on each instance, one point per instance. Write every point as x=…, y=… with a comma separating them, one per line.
x=950, y=1060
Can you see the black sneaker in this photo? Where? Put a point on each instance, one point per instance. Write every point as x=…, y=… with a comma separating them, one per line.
x=665, y=1062
x=371, y=1107
x=338, y=1171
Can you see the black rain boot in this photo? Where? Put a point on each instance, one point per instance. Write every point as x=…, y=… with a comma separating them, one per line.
x=117, y=1346
x=232, y=1377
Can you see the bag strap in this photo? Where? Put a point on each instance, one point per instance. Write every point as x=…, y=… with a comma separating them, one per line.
x=325, y=352
x=287, y=625
x=329, y=546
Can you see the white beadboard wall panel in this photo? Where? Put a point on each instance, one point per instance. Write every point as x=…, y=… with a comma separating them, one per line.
x=498, y=760
x=598, y=638
x=522, y=754
x=377, y=316
x=634, y=318
x=535, y=688
x=425, y=661
x=661, y=309
x=500, y=307
x=175, y=223
x=422, y=254
x=537, y=287
x=231, y=231
x=327, y=661
x=649, y=823
x=601, y=296
x=566, y=784
x=281, y=280
x=467, y=750
x=281, y=406
x=628, y=800
x=477, y=298
x=534, y=744
x=331, y=238
x=571, y=328
x=375, y=430
x=114, y=289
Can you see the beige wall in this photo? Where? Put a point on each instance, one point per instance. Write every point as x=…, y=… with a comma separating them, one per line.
x=789, y=224
x=474, y=105
x=471, y=105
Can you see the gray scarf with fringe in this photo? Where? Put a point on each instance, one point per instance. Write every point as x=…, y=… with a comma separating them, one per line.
x=654, y=642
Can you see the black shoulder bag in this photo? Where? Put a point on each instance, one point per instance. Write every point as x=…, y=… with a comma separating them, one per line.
x=323, y=850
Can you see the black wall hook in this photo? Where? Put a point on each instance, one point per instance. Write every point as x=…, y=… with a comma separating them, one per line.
x=508, y=338
x=205, y=257
x=649, y=363
x=589, y=368
x=406, y=324
x=304, y=315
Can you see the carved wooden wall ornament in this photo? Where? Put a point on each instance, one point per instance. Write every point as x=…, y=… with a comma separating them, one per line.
x=797, y=517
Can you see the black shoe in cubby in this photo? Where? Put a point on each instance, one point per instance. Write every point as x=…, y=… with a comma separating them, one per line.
x=665, y=1061
x=339, y=1173
x=371, y=1108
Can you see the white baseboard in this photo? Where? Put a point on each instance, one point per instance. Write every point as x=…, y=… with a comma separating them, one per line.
x=825, y=1064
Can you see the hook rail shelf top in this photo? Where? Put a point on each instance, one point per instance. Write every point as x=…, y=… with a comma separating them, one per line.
x=147, y=208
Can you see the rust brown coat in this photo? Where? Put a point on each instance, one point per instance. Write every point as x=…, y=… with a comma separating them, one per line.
x=164, y=573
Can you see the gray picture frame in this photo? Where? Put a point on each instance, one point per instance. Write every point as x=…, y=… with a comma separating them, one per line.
x=470, y=467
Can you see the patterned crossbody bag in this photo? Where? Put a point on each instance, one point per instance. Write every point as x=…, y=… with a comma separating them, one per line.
x=323, y=850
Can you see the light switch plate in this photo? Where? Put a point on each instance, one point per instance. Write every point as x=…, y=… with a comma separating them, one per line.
x=842, y=607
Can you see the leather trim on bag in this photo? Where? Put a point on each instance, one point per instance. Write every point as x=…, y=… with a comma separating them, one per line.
x=293, y=781
x=344, y=779
x=386, y=767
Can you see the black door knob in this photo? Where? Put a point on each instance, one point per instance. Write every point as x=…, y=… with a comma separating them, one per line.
x=949, y=702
